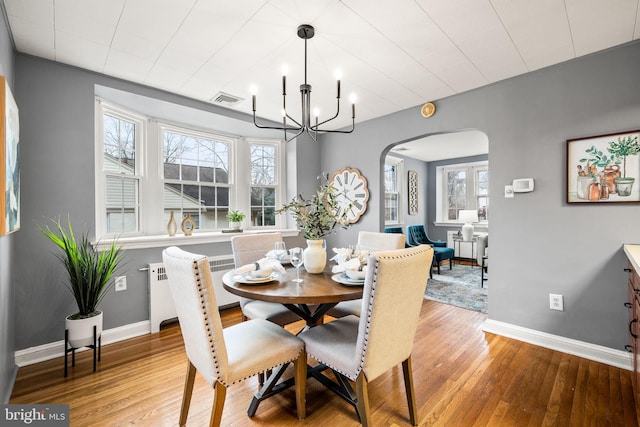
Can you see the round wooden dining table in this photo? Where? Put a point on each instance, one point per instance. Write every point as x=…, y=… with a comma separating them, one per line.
x=309, y=299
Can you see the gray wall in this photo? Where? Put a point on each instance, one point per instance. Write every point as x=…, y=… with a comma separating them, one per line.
x=539, y=244
x=8, y=368
x=57, y=113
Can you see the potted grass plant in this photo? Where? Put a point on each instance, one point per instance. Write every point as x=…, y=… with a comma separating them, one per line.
x=89, y=278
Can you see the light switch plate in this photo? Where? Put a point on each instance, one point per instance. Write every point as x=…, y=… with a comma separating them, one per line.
x=508, y=191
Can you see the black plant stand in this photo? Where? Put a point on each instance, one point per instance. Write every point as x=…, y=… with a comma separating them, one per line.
x=97, y=345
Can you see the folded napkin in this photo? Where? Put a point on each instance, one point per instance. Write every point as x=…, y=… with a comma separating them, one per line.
x=341, y=267
x=261, y=264
x=342, y=255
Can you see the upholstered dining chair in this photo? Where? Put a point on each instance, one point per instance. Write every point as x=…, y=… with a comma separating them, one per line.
x=396, y=230
x=361, y=349
x=416, y=235
x=371, y=241
x=248, y=248
x=224, y=356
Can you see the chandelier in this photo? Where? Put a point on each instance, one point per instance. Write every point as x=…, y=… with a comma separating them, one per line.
x=305, y=32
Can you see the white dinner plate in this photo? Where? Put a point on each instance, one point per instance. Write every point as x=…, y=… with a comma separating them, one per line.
x=345, y=280
x=246, y=280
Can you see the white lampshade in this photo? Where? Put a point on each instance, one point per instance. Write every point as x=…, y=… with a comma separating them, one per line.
x=467, y=216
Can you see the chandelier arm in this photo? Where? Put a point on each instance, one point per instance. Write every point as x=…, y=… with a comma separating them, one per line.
x=353, y=127
x=299, y=126
x=287, y=128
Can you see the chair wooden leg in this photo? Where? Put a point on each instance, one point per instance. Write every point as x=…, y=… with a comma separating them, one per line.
x=363, y=400
x=220, y=393
x=408, y=385
x=300, y=377
x=188, y=391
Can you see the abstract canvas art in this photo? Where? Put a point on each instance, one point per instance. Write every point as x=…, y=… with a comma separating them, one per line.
x=9, y=161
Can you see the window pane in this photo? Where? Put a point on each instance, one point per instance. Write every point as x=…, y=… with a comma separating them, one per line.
x=483, y=183
x=119, y=145
x=391, y=207
x=193, y=165
x=121, y=204
x=263, y=206
x=390, y=178
x=263, y=164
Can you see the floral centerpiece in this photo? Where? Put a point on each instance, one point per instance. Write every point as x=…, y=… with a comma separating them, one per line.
x=316, y=217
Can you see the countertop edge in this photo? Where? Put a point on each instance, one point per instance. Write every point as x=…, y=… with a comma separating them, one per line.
x=633, y=253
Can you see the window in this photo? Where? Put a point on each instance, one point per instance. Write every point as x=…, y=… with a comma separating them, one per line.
x=393, y=167
x=150, y=169
x=121, y=172
x=463, y=186
x=196, y=176
x=264, y=180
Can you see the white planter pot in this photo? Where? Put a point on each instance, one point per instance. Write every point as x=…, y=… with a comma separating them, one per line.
x=235, y=225
x=81, y=330
x=315, y=256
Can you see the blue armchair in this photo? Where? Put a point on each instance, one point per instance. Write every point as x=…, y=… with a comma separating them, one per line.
x=416, y=235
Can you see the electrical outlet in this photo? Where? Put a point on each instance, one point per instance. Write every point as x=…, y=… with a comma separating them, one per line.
x=121, y=283
x=556, y=302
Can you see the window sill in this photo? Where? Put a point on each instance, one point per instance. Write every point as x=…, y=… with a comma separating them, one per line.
x=477, y=226
x=159, y=241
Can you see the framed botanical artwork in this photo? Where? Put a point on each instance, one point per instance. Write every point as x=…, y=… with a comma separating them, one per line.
x=413, y=192
x=9, y=161
x=604, y=168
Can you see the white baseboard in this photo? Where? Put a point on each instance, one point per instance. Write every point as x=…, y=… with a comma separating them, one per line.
x=52, y=350
x=618, y=358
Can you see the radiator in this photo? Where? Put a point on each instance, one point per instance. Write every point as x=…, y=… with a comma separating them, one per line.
x=160, y=302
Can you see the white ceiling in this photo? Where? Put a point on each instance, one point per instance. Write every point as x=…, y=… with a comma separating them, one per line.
x=393, y=54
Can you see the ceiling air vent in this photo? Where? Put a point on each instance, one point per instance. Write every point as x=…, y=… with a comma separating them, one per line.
x=226, y=99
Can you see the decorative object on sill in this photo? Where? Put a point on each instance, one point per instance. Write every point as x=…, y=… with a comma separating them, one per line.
x=305, y=32
x=352, y=194
x=232, y=231
x=10, y=160
x=413, y=192
x=188, y=225
x=172, y=226
x=467, y=216
x=89, y=275
x=596, y=162
x=428, y=110
x=235, y=219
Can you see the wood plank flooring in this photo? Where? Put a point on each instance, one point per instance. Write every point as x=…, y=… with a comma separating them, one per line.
x=463, y=377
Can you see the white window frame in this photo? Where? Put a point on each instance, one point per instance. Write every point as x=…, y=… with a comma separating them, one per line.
x=471, y=197
x=398, y=163
x=101, y=109
x=152, y=230
x=280, y=176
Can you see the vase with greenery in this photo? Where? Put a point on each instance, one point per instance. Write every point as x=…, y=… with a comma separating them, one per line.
x=235, y=219
x=626, y=146
x=316, y=217
x=89, y=274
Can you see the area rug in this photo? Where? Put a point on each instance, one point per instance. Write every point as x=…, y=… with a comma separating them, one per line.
x=460, y=287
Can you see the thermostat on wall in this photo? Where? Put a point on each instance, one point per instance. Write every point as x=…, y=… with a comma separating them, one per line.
x=522, y=185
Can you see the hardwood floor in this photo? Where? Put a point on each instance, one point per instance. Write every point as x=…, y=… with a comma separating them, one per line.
x=463, y=377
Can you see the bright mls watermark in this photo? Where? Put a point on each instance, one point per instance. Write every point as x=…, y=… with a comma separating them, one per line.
x=34, y=415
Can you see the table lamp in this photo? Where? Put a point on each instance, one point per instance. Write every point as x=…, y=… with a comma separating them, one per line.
x=467, y=216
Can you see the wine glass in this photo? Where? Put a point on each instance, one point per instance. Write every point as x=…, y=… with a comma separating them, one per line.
x=297, y=258
x=280, y=250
